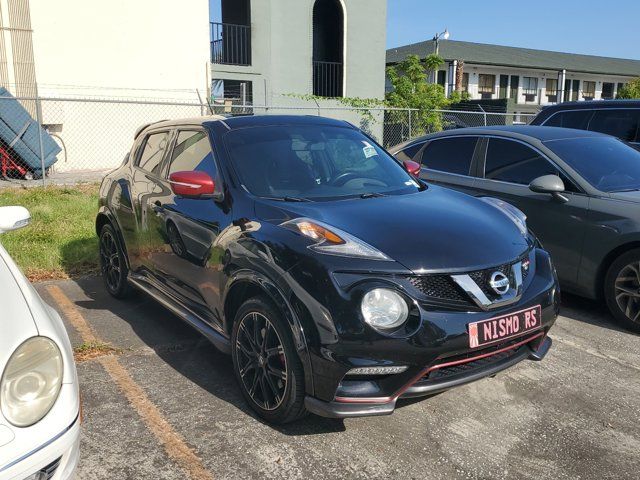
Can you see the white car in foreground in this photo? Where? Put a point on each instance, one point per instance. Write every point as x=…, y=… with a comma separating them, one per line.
x=39, y=398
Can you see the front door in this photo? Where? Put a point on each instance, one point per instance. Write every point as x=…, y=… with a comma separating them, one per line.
x=515, y=83
x=189, y=263
x=508, y=169
x=504, y=85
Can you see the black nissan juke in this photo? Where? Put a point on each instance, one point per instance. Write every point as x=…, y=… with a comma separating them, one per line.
x=338, y=281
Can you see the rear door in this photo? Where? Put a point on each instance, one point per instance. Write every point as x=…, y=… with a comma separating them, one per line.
x=508, y=168
x=450, y=161
x=146, y=185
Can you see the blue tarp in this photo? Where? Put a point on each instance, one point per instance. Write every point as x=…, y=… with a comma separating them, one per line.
x=20, y=132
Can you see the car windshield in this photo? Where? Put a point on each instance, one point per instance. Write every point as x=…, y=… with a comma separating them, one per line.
x=607, y=163
x=314, y=162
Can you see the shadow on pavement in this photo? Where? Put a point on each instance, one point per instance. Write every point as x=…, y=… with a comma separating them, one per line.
x=593, y=312
x=180, y=347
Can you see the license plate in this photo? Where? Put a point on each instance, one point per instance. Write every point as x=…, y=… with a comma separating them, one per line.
x=506, y=326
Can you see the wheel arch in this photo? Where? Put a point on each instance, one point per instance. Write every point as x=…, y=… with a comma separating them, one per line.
x=245, y=285
x=104, y=217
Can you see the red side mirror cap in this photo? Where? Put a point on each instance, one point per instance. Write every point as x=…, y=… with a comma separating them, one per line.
x=192, y=184
x=412, y=167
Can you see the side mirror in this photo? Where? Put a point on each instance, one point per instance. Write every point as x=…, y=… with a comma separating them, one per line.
x=13, y=218
x=412, y=167
x=551, y=184
x=192, y=184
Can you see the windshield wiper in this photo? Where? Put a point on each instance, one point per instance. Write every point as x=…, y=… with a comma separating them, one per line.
x=294, y=199
x=372, y=195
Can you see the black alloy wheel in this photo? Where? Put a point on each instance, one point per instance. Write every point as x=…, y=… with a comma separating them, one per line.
x=622, y=289
x=112, y=263
x=266, y=364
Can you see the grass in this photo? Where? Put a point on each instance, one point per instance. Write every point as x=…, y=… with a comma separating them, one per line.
x=61, y=241
x=91, y=350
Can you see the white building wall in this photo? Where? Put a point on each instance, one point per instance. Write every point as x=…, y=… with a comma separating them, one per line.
x=142, y=49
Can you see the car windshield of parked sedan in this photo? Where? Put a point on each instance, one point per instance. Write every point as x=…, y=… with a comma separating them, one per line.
x=314, y=162
x=607, y=163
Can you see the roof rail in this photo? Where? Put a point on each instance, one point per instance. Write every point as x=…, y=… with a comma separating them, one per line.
x=146, y=125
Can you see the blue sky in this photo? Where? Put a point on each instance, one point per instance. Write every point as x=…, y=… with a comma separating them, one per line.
x=594, y=28
x=608, y=28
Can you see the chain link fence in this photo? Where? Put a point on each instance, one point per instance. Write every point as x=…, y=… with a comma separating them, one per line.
x=82, y=139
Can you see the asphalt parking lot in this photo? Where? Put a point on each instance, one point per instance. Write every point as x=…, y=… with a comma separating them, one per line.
x=166, y=406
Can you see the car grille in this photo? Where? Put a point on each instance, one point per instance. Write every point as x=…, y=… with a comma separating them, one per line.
x=477, y=364
x=441, y=287
x=49, y=471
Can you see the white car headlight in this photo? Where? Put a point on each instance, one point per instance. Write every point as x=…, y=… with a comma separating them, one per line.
x=332, y=240
x=384, y=309
x=31, y=381
x=515, y=215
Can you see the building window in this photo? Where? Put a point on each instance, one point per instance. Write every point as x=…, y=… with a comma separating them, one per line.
x=465, y=82
x=607, y=91
x=486, y=85
x=551, y=89
x=620, y=86
x=588, y=90
x=529, y=88
x=328, y=33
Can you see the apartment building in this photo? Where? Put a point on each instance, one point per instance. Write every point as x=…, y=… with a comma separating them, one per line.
x=529, y=78
x=271, y=52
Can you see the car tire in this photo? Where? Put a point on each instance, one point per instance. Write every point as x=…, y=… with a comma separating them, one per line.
x=113, y=264
x=622, y=289
x=266, y=363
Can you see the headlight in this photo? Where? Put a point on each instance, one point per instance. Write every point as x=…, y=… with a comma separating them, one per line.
x=31, y=381
x=384, y=309
x=516, y=215
x=333, y=241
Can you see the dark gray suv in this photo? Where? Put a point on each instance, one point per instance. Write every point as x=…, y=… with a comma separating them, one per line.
x=580, y=191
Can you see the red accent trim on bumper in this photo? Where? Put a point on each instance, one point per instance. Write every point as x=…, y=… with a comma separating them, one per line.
x=428, y=370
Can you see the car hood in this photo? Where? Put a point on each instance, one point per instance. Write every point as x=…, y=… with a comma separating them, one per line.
x=434, y=230
x=633, y=196
x=16, y=321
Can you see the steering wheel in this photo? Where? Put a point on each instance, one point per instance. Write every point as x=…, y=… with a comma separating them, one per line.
x=343, y=178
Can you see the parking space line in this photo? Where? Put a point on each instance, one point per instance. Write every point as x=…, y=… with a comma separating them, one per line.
x=73, y=315
x=174, y=444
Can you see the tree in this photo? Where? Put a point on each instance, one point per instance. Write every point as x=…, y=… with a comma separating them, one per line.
x=411, y=89
x=630, y=90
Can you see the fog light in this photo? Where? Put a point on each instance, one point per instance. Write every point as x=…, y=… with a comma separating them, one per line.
x=390, y=370
x=384, y=309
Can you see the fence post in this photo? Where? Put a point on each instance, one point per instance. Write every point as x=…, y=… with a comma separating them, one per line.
x=410, y=133
x=40, y=128
x=484, y=114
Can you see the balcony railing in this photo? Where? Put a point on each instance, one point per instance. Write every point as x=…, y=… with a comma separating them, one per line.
x=230, y=44
x=327, y=79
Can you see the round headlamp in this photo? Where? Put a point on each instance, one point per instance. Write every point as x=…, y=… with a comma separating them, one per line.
x=384, y=309
x=31, y=381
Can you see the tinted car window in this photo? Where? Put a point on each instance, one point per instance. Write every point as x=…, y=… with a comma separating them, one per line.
x=192, y=151
x=314, y=162
x=451, y=155
x=153, y=151
x=409, y=152
x=619, y=123
x=605, y=162
x=514, y=162
x=578, y=119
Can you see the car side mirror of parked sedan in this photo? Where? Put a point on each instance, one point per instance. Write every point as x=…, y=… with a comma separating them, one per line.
x=193, y=184
x=412, y=167
x=551, y=184
x=13, y=218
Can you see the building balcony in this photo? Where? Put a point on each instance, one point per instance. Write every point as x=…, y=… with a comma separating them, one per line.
x=327, y=79
x=230, y=44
